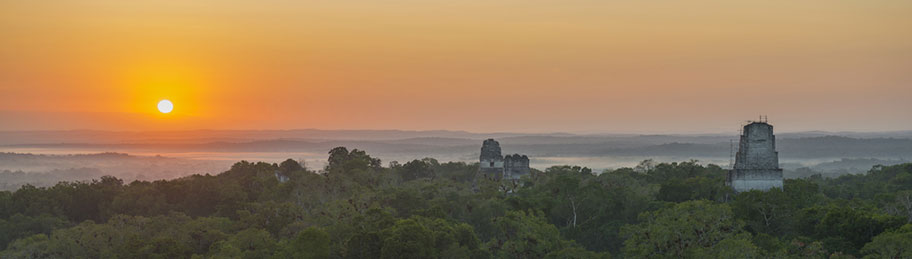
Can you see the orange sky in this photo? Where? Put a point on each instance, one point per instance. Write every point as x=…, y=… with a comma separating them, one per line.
x=511, y=65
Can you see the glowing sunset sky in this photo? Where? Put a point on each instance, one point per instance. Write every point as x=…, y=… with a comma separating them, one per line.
x=523, y=65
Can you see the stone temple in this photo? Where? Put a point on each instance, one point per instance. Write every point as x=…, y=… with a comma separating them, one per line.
x=757, y=162
x=492, y=164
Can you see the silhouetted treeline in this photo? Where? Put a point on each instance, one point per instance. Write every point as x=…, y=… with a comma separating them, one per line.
x=357, y=208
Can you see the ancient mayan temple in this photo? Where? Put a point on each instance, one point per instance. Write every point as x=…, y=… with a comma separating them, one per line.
x=757, y=162
x=494, y=165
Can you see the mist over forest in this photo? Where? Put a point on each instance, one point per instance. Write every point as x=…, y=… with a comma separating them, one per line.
x=43, y=158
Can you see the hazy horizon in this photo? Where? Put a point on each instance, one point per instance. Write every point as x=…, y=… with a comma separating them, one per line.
x=663, y=131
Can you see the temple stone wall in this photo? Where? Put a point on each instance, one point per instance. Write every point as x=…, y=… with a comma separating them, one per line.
x=493, y=164
x=757, y=162
x=515, y=166
x=746, y=185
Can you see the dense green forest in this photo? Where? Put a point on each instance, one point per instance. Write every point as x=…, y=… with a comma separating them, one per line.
x=356, y=208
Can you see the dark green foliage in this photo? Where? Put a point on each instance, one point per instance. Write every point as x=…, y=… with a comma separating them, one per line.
x=342, y=161
x=20, y=225
x=310, y=243
x=585, y=207
x=355, y=208
x=891, y=244
x=248, y=243
x=525, y=235
x=879, y=180
x=693, y=228
x=848, y=230
x=290, y=165
x=418, y=169
x=408, y=239
x=694, y=188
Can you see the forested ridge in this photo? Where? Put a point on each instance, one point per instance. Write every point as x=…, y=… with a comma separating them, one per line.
x=357, y=208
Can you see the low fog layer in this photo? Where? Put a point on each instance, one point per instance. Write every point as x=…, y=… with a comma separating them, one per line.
x=17, y=169
x=45, y=157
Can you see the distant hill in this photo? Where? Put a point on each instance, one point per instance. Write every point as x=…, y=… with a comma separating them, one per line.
x=431, y=136
x=680, y=146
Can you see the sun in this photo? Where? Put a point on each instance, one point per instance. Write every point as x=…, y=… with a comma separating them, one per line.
x=165, y=106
